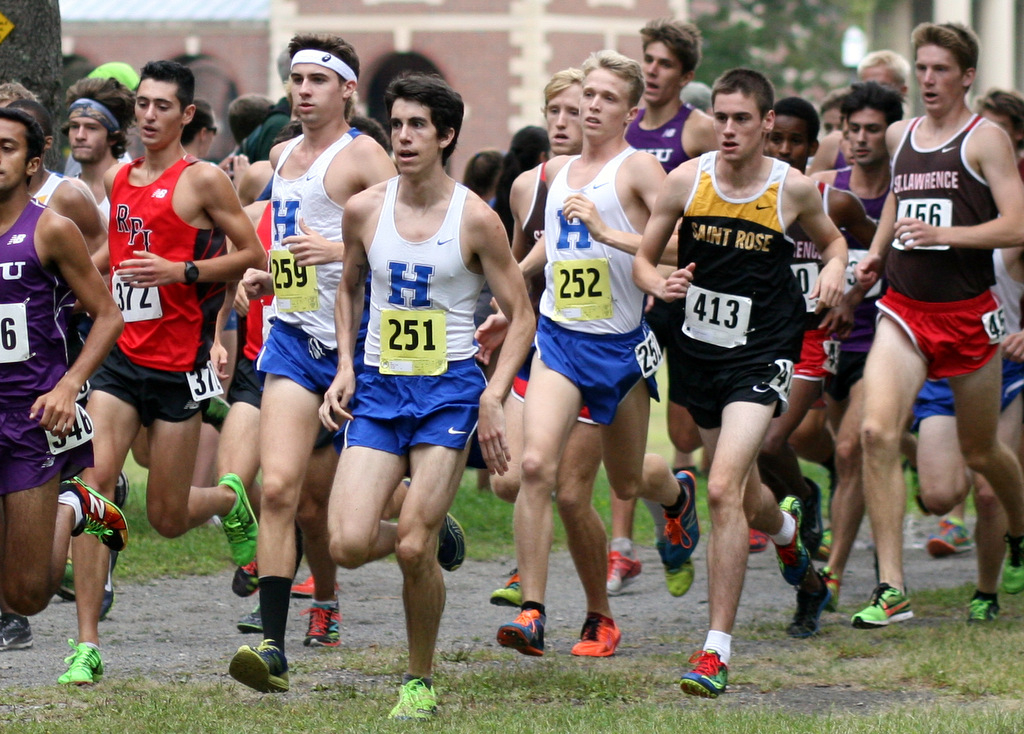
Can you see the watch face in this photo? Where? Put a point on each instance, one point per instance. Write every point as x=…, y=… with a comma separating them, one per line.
x=191, y=273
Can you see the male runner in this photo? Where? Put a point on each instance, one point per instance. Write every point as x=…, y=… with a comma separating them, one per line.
x=956, y=194
x=169, y=219
x=868, y=110
x=429, y=247
x=673, y=132
x=45, y=267
x=314, y=175
x=741, y=332
x=793, y=139
x=593, y=347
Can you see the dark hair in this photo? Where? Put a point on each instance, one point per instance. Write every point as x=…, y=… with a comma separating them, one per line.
x=374, y=129
x=431, y=91
x=37, y=112
x=1005, y=102
x=291, y=129
x=246, y=113
x=201, y=120
x=682, y=39
x=482, y=171
x=113, y=95
x=801, y=109
x=334, y=45
x=749, y=83
x=173, y=73
x=960, y=40
x=876, y=96
x=528, y=145
x=35, y=138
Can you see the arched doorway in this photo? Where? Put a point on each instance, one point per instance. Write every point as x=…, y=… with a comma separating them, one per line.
x=388, y=68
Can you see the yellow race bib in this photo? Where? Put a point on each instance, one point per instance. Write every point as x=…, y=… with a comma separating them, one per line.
x=294, y=285
x=583, y=290
x=413, y=343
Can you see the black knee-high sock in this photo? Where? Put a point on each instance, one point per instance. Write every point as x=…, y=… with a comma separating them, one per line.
x=275, y=595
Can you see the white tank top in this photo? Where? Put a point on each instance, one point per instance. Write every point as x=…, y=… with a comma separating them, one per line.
x=427, y=275
x=1010, y=292
x=306, y=197
x=50, y=185
x=574, y=271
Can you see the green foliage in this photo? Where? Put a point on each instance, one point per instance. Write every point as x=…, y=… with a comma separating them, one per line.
x=795, y=43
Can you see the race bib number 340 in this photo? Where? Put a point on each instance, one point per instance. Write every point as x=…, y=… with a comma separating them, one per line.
x=583, y=290
x=413, y=342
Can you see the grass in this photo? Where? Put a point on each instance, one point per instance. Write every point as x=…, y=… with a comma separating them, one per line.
x=934, y=675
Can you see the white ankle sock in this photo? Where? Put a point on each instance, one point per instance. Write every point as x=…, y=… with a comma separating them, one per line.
x=719, y=642
x=786, y=533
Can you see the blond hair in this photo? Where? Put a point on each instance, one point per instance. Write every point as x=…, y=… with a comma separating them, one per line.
x=622, y=66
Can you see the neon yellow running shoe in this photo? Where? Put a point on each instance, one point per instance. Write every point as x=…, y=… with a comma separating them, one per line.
x=84, y=665
x=416, y=700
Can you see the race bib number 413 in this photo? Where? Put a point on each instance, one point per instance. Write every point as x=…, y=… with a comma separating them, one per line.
x=721, y=319
x=413, y=342
x=583, y=290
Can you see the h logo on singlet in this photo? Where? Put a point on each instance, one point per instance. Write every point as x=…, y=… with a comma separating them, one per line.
x=131, y=226
x=572, y=234
x=286, y=217
x=405, y=283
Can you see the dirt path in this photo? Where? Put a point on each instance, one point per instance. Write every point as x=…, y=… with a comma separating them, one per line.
x=186, y=627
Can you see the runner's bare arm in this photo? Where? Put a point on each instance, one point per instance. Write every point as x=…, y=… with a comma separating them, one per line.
x=668, y=208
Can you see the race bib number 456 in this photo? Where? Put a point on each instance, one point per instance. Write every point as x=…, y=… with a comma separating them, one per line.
x=413, y=342
x=936, y=212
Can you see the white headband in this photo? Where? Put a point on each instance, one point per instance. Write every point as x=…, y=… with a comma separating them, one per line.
x=325, y=59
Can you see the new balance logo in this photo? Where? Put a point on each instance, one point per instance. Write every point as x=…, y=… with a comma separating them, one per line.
x=160, y=193
x=17, y=239
x=670, y=133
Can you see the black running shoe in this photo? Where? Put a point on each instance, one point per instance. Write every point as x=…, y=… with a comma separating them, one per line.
x=809, y=606
x=251, y=623
x=15, y=632
x=810, y=521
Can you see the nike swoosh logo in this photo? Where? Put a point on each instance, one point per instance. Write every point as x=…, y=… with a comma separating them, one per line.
x=946, y=150
x=597, y=186
x=310, y=177
x=456, y=433
x=442, y=243
x=761, y=388
x=759, y=206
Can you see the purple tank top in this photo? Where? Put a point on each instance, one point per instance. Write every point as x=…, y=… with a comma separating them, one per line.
x=35, y=307
x=863, y=332
x=665, y=143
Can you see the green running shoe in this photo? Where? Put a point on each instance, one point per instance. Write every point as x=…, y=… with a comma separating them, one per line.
x=709, y=676
x=262, y=667
x=215, y=411
x=830, y=580
x=887, y=605
x=240, y=524
x=84, y=665
x=66, y=590
x=509, y=595
x=679, y=580
x=1013, y=568
x=982, y=610
x=416, y=700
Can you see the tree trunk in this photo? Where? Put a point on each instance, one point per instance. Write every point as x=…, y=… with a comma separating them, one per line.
x=31, y=53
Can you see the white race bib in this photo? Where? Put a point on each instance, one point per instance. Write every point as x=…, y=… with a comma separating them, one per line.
x=855, y=256
x=81, y=432
x=716, y=318
x=806, y=274
x=13, y=333
x=136, y=304
x=995, y=325
x=204, y=383
x=936, y=212
x=648, y=354
x=831, y=349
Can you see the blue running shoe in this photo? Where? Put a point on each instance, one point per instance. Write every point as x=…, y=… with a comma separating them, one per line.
x=709, y=676
x=682, y=531
x=261, y=667
x=794, y=560
x=525, y=634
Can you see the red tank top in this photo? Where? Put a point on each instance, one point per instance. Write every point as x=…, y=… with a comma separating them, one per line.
x=143, y=218
x=254, y=319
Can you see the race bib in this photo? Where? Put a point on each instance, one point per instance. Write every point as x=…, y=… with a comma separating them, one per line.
x=583, y=290
x=294, y=285
x=81, y=432
x=413, y=342
x=806, y=274
x=936, y=212
x=783, y=379
x=648, y=354
x=136, y=304
x=831, y=349
x=204, y=383
x=13, y=333
x=995, y=325
x=716, y=318
x=855, y=256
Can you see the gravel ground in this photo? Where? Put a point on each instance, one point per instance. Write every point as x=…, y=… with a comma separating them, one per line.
x=170, y=629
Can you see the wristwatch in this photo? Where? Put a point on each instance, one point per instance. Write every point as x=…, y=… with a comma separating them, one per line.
x=191, y=273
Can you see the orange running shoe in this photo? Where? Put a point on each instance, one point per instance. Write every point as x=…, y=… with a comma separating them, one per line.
x=525, y=634
x=599, y=637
